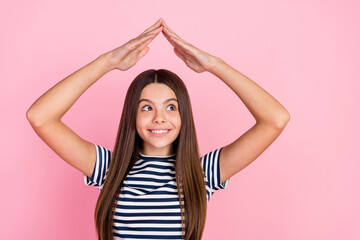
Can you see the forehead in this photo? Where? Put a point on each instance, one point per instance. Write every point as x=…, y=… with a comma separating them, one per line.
x=158, y=91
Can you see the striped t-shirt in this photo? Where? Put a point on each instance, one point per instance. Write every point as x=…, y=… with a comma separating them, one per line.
x=148, y=206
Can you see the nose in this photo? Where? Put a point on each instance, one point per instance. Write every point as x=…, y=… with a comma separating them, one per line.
x=159, y=117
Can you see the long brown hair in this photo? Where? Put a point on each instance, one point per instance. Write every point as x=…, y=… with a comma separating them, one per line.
x=189, y=174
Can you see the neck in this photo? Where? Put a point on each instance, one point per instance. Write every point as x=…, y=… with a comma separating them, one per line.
x=157, y=151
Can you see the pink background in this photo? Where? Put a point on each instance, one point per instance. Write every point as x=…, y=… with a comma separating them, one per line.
x=304, y=53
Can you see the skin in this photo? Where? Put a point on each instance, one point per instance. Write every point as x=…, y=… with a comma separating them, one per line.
x=46, y=112
x=158, y=109
x=271, y=117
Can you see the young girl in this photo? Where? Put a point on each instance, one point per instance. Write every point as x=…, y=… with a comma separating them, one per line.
x=154, y=185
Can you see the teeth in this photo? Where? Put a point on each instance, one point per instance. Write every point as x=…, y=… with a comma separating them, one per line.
x=160, y=131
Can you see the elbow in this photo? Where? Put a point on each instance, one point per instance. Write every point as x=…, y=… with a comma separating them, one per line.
x=282, y=121
x=33, y=118
x=278, y=123
x=30, y=117
x=38, y=118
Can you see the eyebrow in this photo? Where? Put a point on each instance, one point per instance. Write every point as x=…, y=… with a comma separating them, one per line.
x=148, y=100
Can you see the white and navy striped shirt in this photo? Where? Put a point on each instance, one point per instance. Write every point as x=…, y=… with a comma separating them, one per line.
x=148, y=206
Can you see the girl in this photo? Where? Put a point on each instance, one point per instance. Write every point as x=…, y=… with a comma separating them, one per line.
x=156, y=187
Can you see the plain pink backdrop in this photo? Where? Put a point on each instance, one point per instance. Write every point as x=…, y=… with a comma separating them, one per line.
x=306, y=185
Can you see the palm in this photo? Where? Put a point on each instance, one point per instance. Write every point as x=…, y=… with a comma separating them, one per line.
x=123, y=58
x=193, y=57
x=193, y=61
x=126, y=56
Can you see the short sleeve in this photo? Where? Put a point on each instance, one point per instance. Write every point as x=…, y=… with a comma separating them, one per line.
x=103, y=158
x=211, y=168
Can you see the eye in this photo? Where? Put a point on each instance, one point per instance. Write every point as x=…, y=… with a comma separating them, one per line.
x=146, y=108
x=171, y=107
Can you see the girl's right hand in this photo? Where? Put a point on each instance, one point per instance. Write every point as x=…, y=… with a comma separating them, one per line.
x=127, y=55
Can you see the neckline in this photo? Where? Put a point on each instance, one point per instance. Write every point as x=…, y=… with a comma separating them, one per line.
x=154, y=156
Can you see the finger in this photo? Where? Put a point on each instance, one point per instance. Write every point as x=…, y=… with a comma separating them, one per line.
x=169, y=31
x=153, y=32
x=156, y=25
x=136, y=42
x=169, y=39
x=181, y=45
x=152, y=35
x=137, y=53
x=167, y=27
x=174, y=38
x=142, y=53
x=179, y=55
x=144, y=44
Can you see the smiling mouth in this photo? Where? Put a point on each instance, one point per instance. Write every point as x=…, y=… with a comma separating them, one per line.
x=159, y=132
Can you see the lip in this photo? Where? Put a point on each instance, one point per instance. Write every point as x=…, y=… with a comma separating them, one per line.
x=159, y=134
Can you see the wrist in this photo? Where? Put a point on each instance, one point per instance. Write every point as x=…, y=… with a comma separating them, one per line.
x=104, y=59
x=216, y=65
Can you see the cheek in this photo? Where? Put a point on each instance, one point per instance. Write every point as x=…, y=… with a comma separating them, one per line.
x=140, y=129
x=142, y=122
x=139, y=124
x=177, y=122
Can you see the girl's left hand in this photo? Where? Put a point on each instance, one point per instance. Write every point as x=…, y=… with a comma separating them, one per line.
x=194, y=58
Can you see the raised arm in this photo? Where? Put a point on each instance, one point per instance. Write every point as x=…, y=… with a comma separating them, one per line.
x=271, y=117
x=46, y=112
